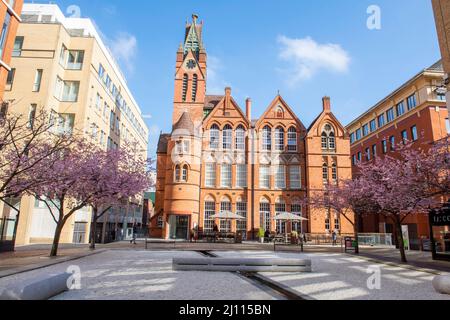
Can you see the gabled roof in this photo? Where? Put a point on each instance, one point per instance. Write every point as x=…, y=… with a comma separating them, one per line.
x=279, y=100
x=221, y=102
x=320, y=118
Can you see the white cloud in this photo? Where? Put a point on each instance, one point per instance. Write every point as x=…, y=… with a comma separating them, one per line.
x=124, y=49
x=306, y=57
x=147, y=116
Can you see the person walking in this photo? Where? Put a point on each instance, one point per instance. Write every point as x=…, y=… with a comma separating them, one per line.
x=134, y=235
x=334, y=237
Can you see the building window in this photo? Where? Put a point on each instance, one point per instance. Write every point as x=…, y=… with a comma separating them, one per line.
x=367, y=154
x=264, y=212
x=160, y=222
x=240, y=138
x=324, y=141
x=392, y=143
x=411, y=102
x=101, y=72
x=67, y=91
x=75, y=60
x=214, y=137
x=10, y=79
x=225, y=175
x=37, y=80
x=267, y=138
x=227, y=137
x=374, y=150
x=381, y=121
x=385, y=147
x=400, y=109
x=334, y=173
x=373, y=125
x=280, y=177
x=194, y=88
x=296, y=208
x=414, y=135
x=295, y=177
x=210, y=210
x=210, y=176
x=365, y=130
x=280, y=207
x=447, y=124
x=18, y=44
x=279, y=139
x=225, y=225
x=177, y=173
x=184, y=174
x=292, y=139
x=63, y=123
x=327, y=224
x=404, y=136
x=337, y=224
x=390, y=115
x=441, y=96
x=4, y=33
x=359, y=156
x=325, y=174
x=352, y=137
x=241, y=176
x=185, y=86
x=241, y=225
x=31, y=115
x=264, y=177
x=354, y=160
x=358, y=134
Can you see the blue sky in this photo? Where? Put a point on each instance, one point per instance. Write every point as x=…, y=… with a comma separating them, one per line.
x=304, y=49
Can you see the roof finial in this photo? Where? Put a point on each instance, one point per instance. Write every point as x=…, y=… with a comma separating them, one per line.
x=194, y=18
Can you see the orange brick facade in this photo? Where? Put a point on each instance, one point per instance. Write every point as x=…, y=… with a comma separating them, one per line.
x=11, y=13
x=218, y=158
x=417, y=111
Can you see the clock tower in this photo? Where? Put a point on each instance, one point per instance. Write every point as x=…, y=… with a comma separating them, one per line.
x=190, y=75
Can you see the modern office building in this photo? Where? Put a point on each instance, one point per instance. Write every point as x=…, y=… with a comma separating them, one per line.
x=9, y=19
x=219, y=158
x=415, y=112
x=62, y=65
x=441, y=10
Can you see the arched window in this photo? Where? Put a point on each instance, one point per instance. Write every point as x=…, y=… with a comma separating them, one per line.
x=279, y=139
x=185, y=86
x=210, y=210
x=267, y=138
x=184, y=176
x=225, y=206
x=280, y=207
x=214, y=137
x=194, y=88
x=279, y=113
x=240, y=138
x=328, y=138
x=334, y=173
x=227, y=137
x=325, y=173
x=177, y=173
x=264, y=213
x=292, y=139
x=296, y=208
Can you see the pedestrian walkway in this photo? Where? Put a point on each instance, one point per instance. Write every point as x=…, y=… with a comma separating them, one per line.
x=37, y=256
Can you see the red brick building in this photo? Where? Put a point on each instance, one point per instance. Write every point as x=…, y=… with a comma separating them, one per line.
x=219, y=158
x=415, y=112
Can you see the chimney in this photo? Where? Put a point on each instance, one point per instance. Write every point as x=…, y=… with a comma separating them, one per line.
x=326, y=104
x=248, y=109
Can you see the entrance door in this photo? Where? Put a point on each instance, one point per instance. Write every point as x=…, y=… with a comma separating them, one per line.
x=179, y=227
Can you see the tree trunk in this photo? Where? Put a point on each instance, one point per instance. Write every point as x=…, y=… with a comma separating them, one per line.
x=56, y=239
x=93, y=228
x=401, y=243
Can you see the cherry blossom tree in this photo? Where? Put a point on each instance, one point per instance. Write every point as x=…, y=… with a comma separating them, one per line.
x=120, y=178
x=25, y=142
x=411, y=183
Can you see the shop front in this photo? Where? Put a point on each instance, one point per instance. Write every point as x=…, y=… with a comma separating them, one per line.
x=440, y=233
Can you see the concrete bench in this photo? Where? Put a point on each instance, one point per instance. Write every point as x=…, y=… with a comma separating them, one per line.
x=41, y=289
x=243, y=265
x=442, y=284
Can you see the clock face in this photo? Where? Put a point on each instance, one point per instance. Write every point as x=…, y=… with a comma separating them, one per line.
x=191, y=64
